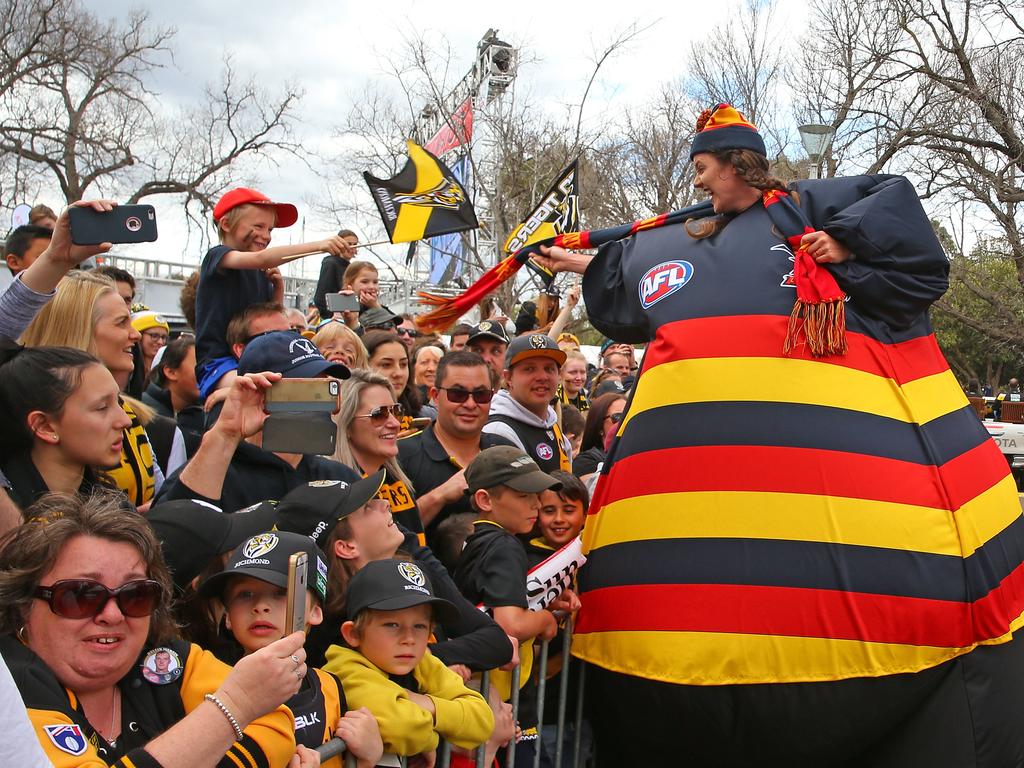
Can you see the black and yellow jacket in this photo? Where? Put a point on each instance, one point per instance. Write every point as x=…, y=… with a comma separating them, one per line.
x=147, y=710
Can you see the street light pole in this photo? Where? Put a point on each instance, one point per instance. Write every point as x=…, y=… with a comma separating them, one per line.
x=816, y=139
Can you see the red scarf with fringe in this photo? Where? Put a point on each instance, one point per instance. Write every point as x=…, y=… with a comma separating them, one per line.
x=820, y=308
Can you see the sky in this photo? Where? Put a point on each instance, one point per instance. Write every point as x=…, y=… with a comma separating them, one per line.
x=332, y=50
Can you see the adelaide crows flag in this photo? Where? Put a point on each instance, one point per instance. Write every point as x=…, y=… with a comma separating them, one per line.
x=423, y=200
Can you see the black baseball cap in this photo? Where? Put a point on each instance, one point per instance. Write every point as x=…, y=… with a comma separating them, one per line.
x=378, y=317
x=488, y=329
x=313, y=509
x=290, y=354
x=507, y=465
x=391, y=585
x=192, y=532
x=265, y=557
x=533, y=345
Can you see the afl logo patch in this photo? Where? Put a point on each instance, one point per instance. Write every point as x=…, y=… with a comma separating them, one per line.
x=663, y=280
x=544, y=451
x=67, y=738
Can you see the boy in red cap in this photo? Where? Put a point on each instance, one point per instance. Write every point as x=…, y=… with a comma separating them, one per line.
x=240, y=271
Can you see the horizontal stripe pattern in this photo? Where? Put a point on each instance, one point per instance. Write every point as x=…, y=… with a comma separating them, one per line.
x=721, y=658
x=851, y=505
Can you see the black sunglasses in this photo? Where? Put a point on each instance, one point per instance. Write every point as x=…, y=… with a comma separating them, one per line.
x=379, y=415
x=412, y=333
x=85, y=598
x=458, y=395
x=615, y=417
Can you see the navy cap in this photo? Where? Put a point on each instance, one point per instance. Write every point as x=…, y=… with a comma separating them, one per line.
x=265, y=557
x=290, y=354
x=391, y=585
x=533, y=345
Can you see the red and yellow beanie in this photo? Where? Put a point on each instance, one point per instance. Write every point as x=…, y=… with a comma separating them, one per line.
x=725, y=128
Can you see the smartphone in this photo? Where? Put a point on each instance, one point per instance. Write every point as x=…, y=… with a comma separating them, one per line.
x=304, y=396
x=304, y=432
x=124, y=224
x=295, y=614
x=342, y=302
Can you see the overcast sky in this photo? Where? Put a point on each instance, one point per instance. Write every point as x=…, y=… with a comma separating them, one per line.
x=332, y=49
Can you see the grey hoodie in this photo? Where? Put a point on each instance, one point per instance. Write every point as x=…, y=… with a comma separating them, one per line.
x=503, y=404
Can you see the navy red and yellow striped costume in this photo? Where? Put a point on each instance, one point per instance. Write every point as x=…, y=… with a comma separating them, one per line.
x=765, y=517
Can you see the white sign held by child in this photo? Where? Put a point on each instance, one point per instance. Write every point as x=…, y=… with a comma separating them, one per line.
x=549, y=578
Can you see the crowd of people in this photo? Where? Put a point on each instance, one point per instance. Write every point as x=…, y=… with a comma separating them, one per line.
x=148, y=532
x=803, y=548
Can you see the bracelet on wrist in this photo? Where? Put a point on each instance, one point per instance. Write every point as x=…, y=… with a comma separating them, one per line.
x=227, y=713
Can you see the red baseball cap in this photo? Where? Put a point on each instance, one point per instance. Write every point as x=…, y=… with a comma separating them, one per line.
x=287, y=214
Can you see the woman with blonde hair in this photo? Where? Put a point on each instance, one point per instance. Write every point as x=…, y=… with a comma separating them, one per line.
x=340, y=344
x=368, y=425
x=88, y=314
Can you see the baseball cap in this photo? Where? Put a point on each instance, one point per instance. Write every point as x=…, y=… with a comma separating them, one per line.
x=313, y=509
x=533, y=345
x=610, y=385
x=507, y=465
x=378, y=317
x=143, y=321
x=265, y=557
x=287, y=214
x=191, y=532
x=488, y=329
x=287, y=353
x=391, y=585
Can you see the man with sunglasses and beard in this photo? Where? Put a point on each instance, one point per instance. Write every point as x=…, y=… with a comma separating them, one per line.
x=435, y=458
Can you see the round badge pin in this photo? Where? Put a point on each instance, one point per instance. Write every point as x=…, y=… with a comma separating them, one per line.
x=162, y=666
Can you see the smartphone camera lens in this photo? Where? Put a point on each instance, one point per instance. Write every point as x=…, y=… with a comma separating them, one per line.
x=133, y=223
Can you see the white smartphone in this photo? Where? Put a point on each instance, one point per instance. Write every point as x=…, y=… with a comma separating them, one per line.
x=295, y=616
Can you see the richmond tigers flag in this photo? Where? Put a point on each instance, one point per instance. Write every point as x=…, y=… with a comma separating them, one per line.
x=423, y=200
x=557, y=212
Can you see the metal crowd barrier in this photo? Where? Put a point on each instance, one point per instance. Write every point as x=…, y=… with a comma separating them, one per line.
x=444, y=755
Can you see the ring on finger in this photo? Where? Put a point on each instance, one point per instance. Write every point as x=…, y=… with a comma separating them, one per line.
x=295, y=660
x=297, y=673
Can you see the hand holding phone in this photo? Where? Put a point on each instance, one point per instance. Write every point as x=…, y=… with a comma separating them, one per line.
x=295, y=614
x=121, y=224
x=342, y=302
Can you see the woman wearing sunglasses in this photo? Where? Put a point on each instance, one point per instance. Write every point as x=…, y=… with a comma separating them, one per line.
x=86, y=630
x=369, y=421
x=603, y=421
x=62, y=427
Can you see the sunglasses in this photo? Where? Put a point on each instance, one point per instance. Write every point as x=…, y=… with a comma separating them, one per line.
x=85, y=598
x=458, y=395
x=379, y=415
x=615, y=417
x=412, y=333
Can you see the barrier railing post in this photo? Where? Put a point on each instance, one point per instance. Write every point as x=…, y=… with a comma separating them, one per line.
x=563, y=690
x=510, y=756
x=541, y=689
x=444, y=760
x=578, y=735
x=485, y=690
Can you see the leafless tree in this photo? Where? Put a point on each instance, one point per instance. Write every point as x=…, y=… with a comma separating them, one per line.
x=77, y=110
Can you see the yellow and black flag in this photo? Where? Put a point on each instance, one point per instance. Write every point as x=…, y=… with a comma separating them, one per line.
x=556, y=213
x=423, y=200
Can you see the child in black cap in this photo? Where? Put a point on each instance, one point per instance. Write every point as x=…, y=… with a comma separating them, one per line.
x=253, y=588
x=388, y=668
x=504, y=487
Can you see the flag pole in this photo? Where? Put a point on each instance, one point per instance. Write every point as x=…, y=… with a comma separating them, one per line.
x=295, y=256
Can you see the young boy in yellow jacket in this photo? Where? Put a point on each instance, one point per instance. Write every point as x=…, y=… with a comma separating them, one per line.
x=388, y=668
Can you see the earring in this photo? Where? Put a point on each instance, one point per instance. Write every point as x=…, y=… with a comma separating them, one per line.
x=21, y=635
x=56, y=438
